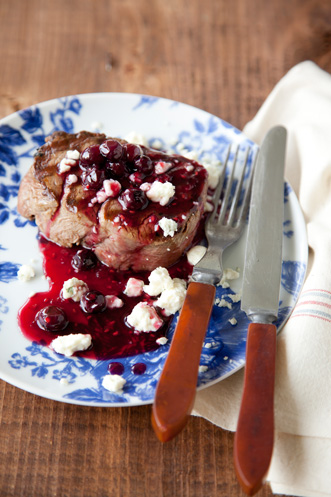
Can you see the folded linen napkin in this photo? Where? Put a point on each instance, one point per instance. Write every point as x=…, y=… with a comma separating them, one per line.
x=301, y=463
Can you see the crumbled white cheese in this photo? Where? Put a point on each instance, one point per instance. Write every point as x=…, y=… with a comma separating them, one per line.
x=113, y=302
x=208, y=207
x=235, y=297
x=144, y=318
x=228, y=274
x=214, y=171
x=181, y=148
x=203, y=369
x=134, y=287
x=74, y=289
x=69, y=344
x=136, y=138
x=169, y=226
x=113, y=382
x=64, y=381
x=192, y=155
x=25, y=273
x=157, y=144
x=172, y=291
x=159, y=192
x=162, y=341
x=159, y=280
x=207, y=345
x=68, y=161
x=65, y=165
x=72, y=178
x=233, y=321
x=171, y=299
x=145, y=186
x=195, y=254
x=231, y=274
x=162, y=167
x=110, y=189
x=73, y=154
x=223, y=303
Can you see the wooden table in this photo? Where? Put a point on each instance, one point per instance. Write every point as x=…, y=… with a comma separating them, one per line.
x=224, y=57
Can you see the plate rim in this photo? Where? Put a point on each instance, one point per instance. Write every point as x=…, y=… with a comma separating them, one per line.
x=43, y=105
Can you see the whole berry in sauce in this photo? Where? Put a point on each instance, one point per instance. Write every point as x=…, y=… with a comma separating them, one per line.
x=116, y=170
x=133, y=199
x=112, y=150
x=92, y=302
x=52, y=318
x=84, y=260
x=91, y=156
x=132, y=152
x=144, y=165
x=93, y=179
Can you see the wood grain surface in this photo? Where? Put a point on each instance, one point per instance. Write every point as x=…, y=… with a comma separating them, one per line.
x=222, y=56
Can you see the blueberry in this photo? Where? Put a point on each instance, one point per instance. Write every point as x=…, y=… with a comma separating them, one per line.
x=84, y=260
x=92, y=179
x=52, y=318
x=144, y=165
x=90, y=157
x=132, y=152
x=133, y=199
x=92, y=302
x=112, y=150
x=116, y=169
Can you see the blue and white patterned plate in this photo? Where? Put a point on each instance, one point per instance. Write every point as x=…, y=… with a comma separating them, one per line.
x=38, y=369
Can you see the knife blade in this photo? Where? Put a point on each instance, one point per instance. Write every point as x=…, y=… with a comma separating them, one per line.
x=260, y=300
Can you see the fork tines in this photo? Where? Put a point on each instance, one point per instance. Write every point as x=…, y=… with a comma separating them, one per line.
x=234, y=187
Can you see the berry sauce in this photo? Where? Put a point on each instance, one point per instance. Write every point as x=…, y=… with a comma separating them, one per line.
x=116, y=368
x=47, y=315
x=139, y=368
x=130, y=166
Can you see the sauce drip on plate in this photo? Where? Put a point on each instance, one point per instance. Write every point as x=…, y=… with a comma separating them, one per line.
x=111, y=336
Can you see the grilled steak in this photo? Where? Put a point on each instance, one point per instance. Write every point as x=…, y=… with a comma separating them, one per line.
x=134, y=207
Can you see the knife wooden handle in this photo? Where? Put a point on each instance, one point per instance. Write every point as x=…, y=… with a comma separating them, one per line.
x=175, y=392
x=254, y=437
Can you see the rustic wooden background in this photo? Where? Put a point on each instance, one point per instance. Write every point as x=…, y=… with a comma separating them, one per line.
x=222, y=56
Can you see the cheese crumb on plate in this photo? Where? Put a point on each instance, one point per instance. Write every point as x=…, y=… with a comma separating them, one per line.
x=25, y=273
x=113, y=383
x=74, y=289
x=144, y=318
x=67, y=345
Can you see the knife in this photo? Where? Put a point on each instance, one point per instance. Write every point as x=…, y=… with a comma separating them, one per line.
x=254, y=436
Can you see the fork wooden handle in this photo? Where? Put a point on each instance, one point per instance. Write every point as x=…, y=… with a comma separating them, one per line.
x=254, y=437
x=175, y=392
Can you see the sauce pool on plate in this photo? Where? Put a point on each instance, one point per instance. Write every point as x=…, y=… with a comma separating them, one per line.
x=47, y=315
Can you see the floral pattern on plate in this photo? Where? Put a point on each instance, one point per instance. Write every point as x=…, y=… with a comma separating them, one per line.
x=38, y=369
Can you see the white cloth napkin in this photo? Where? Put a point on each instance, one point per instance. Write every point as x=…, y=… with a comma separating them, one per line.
x=301, y=462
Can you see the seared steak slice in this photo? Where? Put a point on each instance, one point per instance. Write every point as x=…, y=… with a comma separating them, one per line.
x=135, y=207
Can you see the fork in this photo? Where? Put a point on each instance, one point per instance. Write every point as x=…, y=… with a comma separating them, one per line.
x=175, y=392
